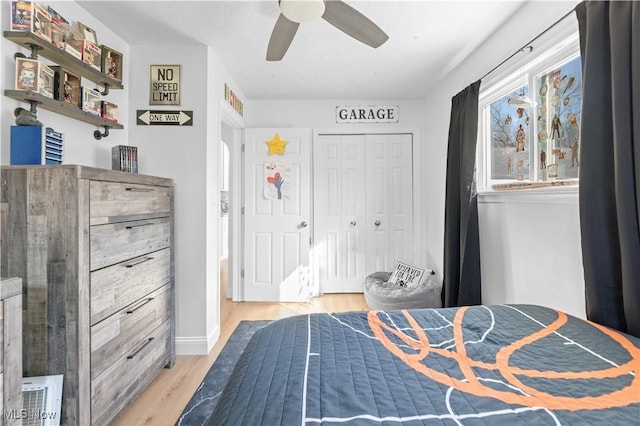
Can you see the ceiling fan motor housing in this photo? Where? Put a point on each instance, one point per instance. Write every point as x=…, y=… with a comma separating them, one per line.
x=302, y=10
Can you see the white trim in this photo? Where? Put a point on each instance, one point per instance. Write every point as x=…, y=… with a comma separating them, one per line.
x=212, y=339
x=197, y=345
x=230, y=116
x=232, y=119
x=556, y=195
x=562, y=47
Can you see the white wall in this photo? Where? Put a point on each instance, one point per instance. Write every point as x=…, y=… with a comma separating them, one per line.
x=530, y=248
x=519, y=265
x=179, y=153
x=190, y=156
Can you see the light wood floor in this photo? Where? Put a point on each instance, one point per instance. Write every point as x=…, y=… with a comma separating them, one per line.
x=163, y=402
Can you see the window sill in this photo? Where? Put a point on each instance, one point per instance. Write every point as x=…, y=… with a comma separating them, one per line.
x=534, y=185
x=565, y=191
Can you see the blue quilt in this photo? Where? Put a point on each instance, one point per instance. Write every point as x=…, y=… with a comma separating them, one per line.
x=503, y=364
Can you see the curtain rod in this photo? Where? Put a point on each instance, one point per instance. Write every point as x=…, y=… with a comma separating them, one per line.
x=527, y=45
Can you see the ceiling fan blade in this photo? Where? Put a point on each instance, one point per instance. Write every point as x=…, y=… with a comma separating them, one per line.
x=281, y=38
x=350, y=21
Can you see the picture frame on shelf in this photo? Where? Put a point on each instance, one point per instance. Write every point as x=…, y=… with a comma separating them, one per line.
x=109, y=111
x=41, y=22
x=27, y=74
x=46, y=80
x=73, y=41
x=91, y=54
x=88, y=33
x=111, y=62
x=21, y=15
x=91, y=101
x=56, y=17
x=67, y=86
x=56, y=29
x=57, y=35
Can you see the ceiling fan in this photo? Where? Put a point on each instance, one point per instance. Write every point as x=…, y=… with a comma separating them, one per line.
x=336, y=12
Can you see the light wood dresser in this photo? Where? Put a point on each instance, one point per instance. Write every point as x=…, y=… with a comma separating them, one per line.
x=11, y=353
x=95, y=248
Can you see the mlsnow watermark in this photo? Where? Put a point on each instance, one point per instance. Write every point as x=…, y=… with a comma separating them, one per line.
x=28, y=414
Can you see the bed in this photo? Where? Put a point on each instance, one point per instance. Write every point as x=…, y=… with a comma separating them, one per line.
x=502, y=364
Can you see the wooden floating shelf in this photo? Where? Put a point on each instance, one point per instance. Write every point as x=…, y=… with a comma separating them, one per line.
x=47, y=50
x=62, y=108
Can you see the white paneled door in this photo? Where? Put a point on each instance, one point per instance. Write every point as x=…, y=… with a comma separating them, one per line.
x=363, y=210
x=277, y=215
x=389, y=223
x=339, y=212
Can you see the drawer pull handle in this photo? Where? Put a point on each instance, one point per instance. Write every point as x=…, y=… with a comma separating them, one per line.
x=137, y=262
x=138, y=225
x=138, y=189
x=137, y=351
x=139, y=305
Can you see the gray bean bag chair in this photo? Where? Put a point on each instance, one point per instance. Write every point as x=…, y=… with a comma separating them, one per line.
x=384, y=296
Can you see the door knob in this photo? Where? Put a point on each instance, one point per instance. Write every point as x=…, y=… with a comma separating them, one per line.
x=376, y=223
x=303, y=224
x=353, y=223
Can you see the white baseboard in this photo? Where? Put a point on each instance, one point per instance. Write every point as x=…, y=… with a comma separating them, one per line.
x=213, y=338
x=197, y=345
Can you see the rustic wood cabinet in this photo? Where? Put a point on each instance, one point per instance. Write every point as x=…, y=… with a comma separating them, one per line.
x=95, y=248
x=11, y=353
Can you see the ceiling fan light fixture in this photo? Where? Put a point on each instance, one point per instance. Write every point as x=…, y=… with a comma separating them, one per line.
x=302, y=10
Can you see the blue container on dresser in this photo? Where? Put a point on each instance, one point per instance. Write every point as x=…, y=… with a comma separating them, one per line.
x=29, y=147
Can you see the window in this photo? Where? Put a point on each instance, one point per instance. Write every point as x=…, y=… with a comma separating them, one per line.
x=529, y=129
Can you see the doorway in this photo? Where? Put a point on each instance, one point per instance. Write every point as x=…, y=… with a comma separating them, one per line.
x=226, y=289
x=229, y=221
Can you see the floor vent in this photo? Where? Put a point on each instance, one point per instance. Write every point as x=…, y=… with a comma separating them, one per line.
x=41, y=400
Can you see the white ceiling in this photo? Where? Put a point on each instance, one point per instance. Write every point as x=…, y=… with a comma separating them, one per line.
x=427, y=39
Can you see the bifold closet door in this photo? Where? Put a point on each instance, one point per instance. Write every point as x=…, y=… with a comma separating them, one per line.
x=363, y=207
x=339, y=200
x=389, y=194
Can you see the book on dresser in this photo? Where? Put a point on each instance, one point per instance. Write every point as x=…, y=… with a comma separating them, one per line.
x=99, y=293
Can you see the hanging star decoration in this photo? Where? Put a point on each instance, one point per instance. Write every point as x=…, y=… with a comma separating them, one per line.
x=276, y=145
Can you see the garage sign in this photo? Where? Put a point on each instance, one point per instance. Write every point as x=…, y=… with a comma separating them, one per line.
x=367, y=114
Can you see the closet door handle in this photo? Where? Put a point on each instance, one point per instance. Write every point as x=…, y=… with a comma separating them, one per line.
x=376, y=223
x=353, y=223
x=137, y=351
x=303, y=224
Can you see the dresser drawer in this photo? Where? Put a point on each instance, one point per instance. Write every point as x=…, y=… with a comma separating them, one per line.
x=114, y=287
x=113, y=202
x=129, y=375
x=120, y=333
x=114, y=243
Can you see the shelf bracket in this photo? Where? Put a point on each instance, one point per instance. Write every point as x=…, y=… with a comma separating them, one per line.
x=34, y=50
x=99, y=135
x=34, y=107
x=105, y=92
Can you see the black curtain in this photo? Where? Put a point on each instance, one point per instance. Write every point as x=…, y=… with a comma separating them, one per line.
x=610, y=162
x=462, y=285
